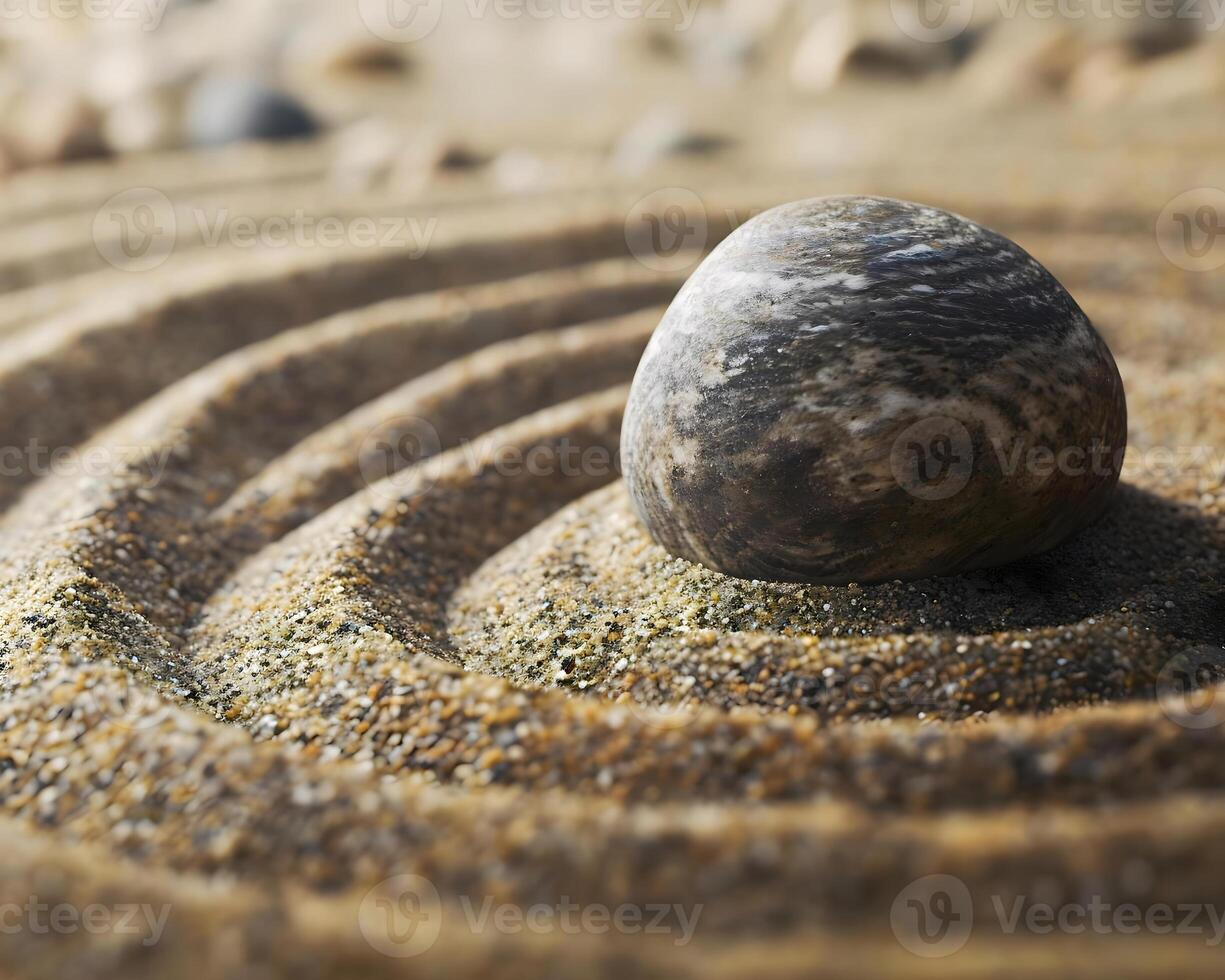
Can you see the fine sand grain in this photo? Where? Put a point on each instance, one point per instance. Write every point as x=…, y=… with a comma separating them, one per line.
x=335, y=581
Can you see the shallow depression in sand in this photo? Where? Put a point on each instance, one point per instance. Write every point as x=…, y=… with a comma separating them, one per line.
x=588, y=602
x=272, y=667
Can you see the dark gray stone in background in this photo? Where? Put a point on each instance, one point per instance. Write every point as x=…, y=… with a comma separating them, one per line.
x=231, y=108
x=862, y=389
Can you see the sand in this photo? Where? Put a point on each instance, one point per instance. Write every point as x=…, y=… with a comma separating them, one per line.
x=254, y=668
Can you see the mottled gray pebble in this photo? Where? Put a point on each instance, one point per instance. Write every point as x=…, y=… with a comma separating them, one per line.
x=863, y=389
x=229, y=108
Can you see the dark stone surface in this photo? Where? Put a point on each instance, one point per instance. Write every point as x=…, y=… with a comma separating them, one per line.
x=230, y=108
x=862, y=389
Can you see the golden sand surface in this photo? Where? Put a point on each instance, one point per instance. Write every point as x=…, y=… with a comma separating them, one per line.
x=332, y=581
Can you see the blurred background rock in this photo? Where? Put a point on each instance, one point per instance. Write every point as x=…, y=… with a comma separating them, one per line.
x=507, y=84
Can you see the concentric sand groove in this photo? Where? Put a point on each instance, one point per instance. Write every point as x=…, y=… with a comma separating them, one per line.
x=215, y=312
x=254, y=648
x=227, y=218
x=39, y=194
x=178, y=470
x=438, y=411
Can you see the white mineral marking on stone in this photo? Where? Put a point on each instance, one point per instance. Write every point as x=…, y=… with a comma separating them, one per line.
x=929, y=270
x=713, y=371
x=684, y=403
x=685, y=452
x=743, y=491
x=920, y=249
x=889, y=404
x=806, y=404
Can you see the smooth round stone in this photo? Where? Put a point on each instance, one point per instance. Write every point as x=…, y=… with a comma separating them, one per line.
x=858, y=389
x=231, y=108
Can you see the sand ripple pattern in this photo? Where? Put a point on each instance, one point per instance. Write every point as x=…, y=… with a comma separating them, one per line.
x=356, y=593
